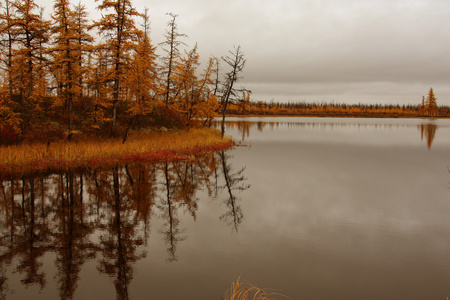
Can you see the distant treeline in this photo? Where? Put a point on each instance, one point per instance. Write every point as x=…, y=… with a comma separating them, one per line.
x=334, y=109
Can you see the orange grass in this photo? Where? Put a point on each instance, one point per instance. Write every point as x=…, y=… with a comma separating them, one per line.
x=140, y=147
x=246, y=291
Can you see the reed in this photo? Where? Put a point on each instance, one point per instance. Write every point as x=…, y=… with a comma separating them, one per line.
x=246, y=291
x=140, y=147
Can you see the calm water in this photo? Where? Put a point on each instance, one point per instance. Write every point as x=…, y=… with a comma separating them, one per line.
x=314, y=208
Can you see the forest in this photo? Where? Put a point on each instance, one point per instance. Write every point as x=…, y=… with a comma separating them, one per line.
x=69, y=77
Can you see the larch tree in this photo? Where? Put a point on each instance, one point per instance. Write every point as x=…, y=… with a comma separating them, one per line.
x=244, y=103
x=42, y=66
x=65, y=59
x=118, y=28
x=8, y=118
x=7, y=43
x=186, y=84
x=171, y=46
x=199, y=101
x=431, y=104
x=83, y=41
x=142, y=79
x=31, y=32
x=237, y=62
x=98, y=88
x=193, y=97
x=207, y=103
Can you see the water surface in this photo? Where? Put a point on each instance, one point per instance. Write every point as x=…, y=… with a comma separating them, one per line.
x=315, y=208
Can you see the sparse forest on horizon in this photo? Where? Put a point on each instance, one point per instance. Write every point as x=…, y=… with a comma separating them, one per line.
x=68, y=76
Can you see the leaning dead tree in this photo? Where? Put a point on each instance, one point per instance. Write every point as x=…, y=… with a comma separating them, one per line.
x=236, y=61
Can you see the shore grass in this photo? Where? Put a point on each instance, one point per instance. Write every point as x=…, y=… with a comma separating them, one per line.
x=140, y=147
x=245, y=291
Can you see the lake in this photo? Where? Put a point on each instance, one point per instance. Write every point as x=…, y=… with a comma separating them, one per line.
x=312, y=208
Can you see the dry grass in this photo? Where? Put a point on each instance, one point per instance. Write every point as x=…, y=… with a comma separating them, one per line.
x=139, y=147
x=246, y=291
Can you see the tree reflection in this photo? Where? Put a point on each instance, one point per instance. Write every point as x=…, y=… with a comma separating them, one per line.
x=429, y=131
x=171, y=231
x=71, y=233
x=181, y=182
x=234, y=181
x=120, y=235
x=7, y=210
x=24, y=234
x=103, y=216
x=29, y=243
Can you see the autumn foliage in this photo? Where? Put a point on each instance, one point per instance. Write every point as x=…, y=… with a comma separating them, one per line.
x=76, y=77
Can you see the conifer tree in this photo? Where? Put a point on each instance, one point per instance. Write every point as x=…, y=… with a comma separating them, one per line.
x=119, y=33
x=84, y=45
x=171, y=46
x=193, y=96
x=42, y=64
x=7, y=43
x=98, y=88
x=431, y=103
x=31, y=33
x=8, y=118
x=207, y=104
x=186, y=84
x=142, y=79
x=65, y=59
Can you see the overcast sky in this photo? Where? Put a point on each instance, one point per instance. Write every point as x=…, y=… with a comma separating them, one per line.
x=383, y=51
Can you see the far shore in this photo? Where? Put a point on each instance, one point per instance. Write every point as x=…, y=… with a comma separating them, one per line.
x=371, y=116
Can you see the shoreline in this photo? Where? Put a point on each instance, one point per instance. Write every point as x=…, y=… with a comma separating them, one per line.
x=24, y=160
x=354, y=116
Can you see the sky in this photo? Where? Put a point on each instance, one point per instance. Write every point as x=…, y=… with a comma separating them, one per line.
x=341, y=51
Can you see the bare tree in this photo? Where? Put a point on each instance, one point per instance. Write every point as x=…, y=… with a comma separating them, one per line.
x=236, y=61
x=171, y=46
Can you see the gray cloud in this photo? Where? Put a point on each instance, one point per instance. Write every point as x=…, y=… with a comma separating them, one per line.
x=383, y=51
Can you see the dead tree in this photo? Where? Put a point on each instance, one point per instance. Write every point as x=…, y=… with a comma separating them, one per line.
x=236, y=61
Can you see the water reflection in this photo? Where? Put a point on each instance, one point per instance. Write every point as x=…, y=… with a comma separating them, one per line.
x=244, y=127
x=429, y=130
x=234, y=181
x=104, y=215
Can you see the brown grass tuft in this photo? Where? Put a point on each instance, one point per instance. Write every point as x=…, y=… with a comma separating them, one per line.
x=246, y=291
